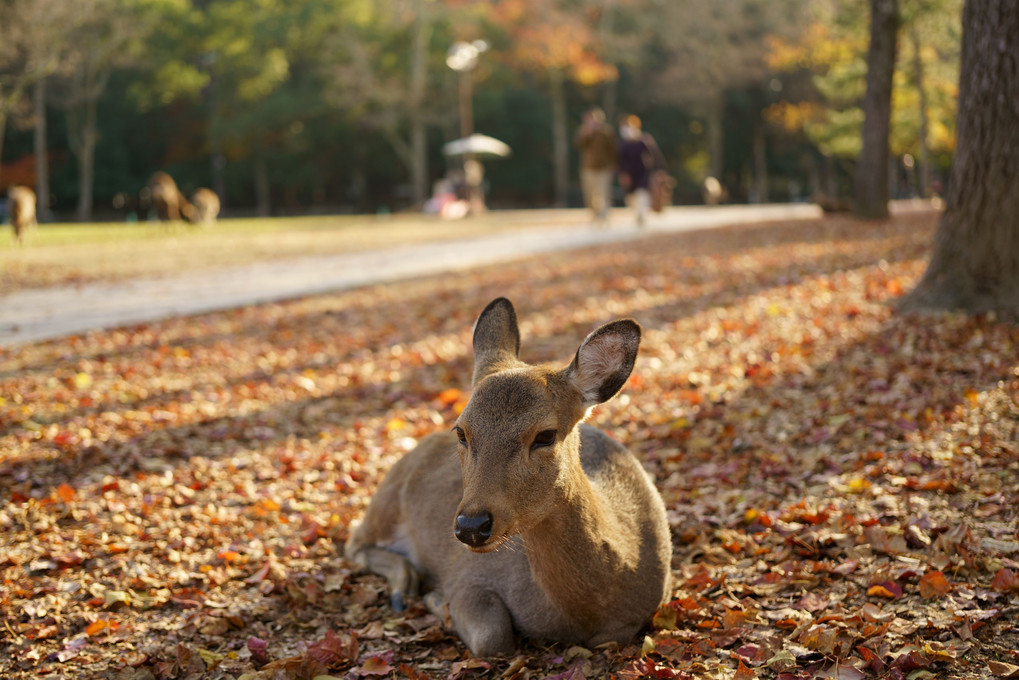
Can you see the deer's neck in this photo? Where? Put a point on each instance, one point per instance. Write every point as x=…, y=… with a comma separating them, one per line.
x=580, y=554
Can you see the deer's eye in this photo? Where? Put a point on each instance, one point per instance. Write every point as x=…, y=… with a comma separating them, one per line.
x=461, y=435
x=544, y=438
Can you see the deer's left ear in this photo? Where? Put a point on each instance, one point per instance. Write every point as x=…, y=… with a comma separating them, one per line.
x=604, y=361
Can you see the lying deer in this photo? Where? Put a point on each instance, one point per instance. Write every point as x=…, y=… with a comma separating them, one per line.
x=523, y=518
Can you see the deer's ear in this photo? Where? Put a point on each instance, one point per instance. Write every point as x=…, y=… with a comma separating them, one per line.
x=604, y=361
x=496, y=338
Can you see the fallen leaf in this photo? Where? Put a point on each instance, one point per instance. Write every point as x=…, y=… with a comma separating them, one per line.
x=1000, y=669
x=934, y=584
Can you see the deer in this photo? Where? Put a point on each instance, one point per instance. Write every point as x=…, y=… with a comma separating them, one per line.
x=204, y=207
x=166, y=198
x=523, y=520
x=22, y=210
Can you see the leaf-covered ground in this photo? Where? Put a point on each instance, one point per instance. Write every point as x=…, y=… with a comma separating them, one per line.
x=842, y=481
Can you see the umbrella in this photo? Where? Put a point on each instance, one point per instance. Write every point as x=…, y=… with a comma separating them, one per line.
x=480, y=145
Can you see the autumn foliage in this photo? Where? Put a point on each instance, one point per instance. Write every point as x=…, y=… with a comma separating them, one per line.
x=841, y=480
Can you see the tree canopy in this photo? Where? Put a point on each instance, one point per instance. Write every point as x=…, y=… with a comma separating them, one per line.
x=288, y=106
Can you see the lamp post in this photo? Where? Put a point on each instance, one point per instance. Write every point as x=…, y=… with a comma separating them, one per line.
x=462, y=57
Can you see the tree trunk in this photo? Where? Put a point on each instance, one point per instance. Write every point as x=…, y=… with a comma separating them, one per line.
x=975, y=263
x=262, y=198
x=716, y=140
x=872, y=169
x=923, y=180
x=217, y=159
x=3, y=131
x=560, y=138
x=86, y=160
x=418, y=82
x=610, y=92
x=760, y=192
x=42, y=165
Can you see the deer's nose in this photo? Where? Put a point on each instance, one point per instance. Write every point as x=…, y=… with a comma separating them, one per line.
x=474, y=530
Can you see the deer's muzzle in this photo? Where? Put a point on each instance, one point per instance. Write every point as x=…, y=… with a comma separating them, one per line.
x=473, y=530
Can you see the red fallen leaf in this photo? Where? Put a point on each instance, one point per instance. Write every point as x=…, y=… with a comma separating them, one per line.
x=377, y=664
x=65, y=492
x=934, y=584
x=1005, y=581
x=749, y=653
x=734, y=618
x=889, y=589
x=96, y=627
x=703, y=647
x=450, y=396
x=333, y=650
x=687, y=603
x=870, y=659
x=411, y=673
x=912, y=660
x=744, y=672
x=259, y=650
x=645, y=668
x=228, y=555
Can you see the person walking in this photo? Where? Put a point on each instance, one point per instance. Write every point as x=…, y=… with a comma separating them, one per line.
x=639, y=155
x=596, y=142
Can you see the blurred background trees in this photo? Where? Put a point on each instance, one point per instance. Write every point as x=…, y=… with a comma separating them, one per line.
x=292, y=106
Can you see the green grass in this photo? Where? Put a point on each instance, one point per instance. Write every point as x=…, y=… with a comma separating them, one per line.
x=60, y=254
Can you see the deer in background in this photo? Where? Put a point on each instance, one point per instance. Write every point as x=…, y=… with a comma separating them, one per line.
x=166, y=198
x=21, y=207
x=205, y=207
x=523, y=519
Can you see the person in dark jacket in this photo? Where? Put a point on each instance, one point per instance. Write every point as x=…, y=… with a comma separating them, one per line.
x=596, y=142
x=639, y=155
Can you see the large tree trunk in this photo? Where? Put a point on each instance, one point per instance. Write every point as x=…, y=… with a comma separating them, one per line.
x=418, y=83
x=3, y=131
x=263, y=201
x=716, y=135
x=560, y=138
x=872, y=169
x=924, y=161
x=760, y=181
x=975, y=263
x=86, y=160
x=610, y=91
x=42, y=165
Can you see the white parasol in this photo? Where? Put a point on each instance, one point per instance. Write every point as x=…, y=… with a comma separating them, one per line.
x=479, y=145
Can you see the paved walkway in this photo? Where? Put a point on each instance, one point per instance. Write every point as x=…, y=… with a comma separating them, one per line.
x=40, y=314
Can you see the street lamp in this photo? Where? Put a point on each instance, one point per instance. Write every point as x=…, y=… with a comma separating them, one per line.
x=462, y=57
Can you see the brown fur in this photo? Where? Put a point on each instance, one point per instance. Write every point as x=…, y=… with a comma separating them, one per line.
x=166, y=198
x=205, y=204
x=21, y=206
x=579, y=548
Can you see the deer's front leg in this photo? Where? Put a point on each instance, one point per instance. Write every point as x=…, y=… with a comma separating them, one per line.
x=402, y=575
x=479, y=617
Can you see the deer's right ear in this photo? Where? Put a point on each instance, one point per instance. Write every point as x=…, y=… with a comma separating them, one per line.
x=496, y=338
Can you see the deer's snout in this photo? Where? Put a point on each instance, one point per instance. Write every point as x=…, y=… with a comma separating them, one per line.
x=474, y=530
